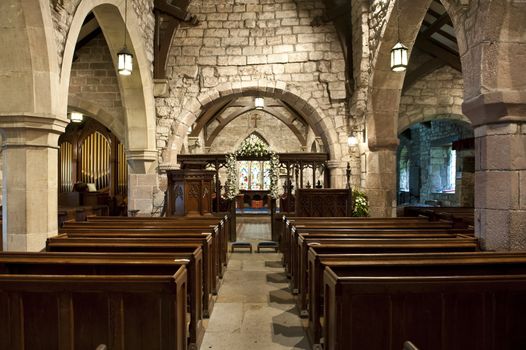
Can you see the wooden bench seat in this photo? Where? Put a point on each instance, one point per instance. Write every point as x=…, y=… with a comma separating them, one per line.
x=368, y=246
x=478, y=302
x=219, y=244
x=137, y=245
x=117, y=264
x=84, y=311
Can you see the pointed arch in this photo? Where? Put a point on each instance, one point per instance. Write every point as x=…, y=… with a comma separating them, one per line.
x=137, y=89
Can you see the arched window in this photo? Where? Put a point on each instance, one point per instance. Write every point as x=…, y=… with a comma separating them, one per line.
x=404, y=164
x=254, y=174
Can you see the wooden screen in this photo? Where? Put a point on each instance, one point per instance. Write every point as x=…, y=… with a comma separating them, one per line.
x=95, y=160
x=65, y=155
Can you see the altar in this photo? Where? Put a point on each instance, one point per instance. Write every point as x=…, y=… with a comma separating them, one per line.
x=253, y=199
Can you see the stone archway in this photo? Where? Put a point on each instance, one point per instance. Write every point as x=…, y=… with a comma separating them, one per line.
x=136, y=90
x=319, y=122
x=99, y=114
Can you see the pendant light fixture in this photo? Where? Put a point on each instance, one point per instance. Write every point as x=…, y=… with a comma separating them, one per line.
x=259, y=103
x=399, y=56
x=124, y=57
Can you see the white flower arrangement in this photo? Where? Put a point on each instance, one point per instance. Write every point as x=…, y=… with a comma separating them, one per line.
x=231, y=184
x=253, y=146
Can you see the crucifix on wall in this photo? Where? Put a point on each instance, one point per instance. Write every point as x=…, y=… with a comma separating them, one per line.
x=255, y=118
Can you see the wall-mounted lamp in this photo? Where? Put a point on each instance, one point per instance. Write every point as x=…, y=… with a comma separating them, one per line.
x=352, y=140
x=259, y=103
x=76, y=117
x=124, y=57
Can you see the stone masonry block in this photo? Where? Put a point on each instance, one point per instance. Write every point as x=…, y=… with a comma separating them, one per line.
x=497, y=190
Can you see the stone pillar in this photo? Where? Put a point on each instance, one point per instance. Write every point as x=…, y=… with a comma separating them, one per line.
x=30, y=180
x=500, y=186
x=337, y=169
x=142, y=181
x=380, y=182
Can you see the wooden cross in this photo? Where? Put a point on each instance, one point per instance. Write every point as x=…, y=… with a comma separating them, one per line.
x=255, y=118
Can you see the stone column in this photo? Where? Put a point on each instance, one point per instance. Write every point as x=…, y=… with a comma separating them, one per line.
x=500, y=172
x=30, y=180
x=500, y=186
x=337, y=169
x=142, y=181
x=380, y=182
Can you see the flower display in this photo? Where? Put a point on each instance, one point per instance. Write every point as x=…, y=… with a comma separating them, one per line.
x=252, y=146
x=361, y=204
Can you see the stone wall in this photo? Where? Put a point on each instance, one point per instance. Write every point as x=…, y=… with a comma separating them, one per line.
x=269, y=40
x=93, y=78
x=426, y=147
x=438, y=94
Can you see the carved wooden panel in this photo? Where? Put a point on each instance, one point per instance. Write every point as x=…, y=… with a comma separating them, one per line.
x=189, y=192
x=323, y=202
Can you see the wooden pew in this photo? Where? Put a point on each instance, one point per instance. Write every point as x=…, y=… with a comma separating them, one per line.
x=137, y=245
x=376, y=225
x=82, y=312
x=311, y=281
x=291, y=224
x=117, y=264
x=299, y=276
x=478, y=302
x=294, y=253
x=220, y=245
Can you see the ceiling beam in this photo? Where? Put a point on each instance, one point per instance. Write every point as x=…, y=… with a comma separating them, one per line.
x=207, y=115
x=431, y=47
x=436, y=25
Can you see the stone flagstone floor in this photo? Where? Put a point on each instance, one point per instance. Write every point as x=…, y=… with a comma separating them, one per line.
x=254, y=309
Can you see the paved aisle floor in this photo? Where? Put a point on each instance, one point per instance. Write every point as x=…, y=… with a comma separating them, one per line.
x=254, y=309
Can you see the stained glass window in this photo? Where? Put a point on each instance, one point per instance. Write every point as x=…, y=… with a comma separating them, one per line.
x=266, y=175
x=244, y=175
x=255, y=175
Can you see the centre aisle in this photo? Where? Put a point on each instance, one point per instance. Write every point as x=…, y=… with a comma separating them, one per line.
x=254, y=309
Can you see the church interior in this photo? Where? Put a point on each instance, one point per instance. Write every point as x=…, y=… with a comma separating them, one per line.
x=263, y=174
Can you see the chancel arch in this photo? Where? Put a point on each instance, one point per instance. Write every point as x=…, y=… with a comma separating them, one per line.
x=208, y=104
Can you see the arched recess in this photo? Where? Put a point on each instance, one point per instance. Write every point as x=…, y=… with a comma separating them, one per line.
x=99, y=114
x=321, y=124
x=137, y=89
x=425, y=118
x=29, y=70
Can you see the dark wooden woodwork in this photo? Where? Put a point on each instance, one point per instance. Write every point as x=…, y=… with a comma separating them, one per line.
x=83, y=312
x=436, y=50
x=117, y=264
x=190, y=192
x=336, y=202
x=168, y=16
x=451, y=306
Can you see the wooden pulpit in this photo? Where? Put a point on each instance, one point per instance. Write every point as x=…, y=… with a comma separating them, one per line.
x=190, y=192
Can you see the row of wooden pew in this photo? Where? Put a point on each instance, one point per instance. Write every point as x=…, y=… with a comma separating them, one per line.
x=125, y=283
x=377, y=283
